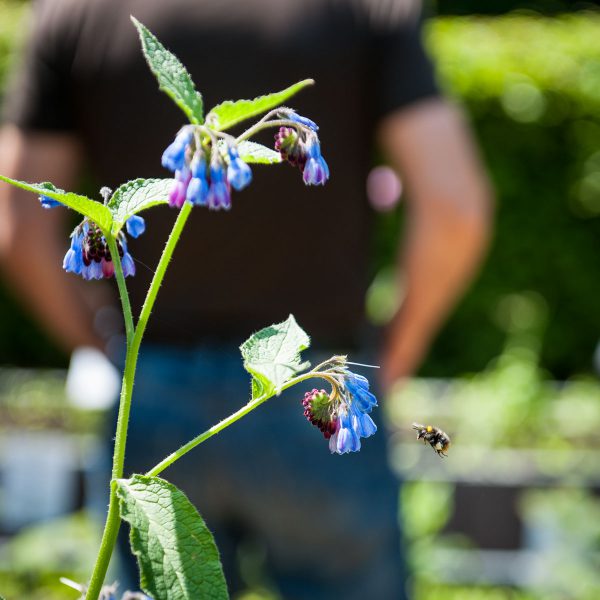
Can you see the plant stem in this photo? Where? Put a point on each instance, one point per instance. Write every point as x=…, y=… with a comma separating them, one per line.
x=265, y=125
x=169, y=460
x=113, y=522
x=230, y=420
x=120, y=277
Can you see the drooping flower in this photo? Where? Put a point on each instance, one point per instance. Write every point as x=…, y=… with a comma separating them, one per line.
x=73, y=261
x=198, y=182
x=173, y=157
x=219, y=192
x=239, y=173
x=301, y=147
x=90, y=256
x=316, y=171
x=179, y=190
x=342, y=415
x=197, y=191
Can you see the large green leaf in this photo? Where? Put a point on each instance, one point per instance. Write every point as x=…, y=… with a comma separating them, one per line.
x=96, y=211
x=251, y=152
x=176, y=553
x=230, y=113
x=137, y=195
x=272, y=355
x=172, y=76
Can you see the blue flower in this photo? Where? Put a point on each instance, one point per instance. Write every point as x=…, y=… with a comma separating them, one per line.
x=342, y=416
x=316, y=171
x=219, y=194
x=239, y=173
x=197, y=191
x=128, y=265
x=135, y=226
x=173, y=157
x=93, y=270
x=90, y=257
x=302, y=120
x=48, y=202
x=358, y=386
x=126, y=259
x=73, y=261
x=346, y=438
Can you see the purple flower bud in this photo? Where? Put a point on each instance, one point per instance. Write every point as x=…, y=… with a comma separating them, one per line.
x=239, y=173
x=179, y=189
x=108, y=268
x=173, y=157
x=291, y=148
x=48, y=202
x=135, y=226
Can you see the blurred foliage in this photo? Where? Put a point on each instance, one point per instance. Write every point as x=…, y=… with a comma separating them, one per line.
x=532, y=88
x=35, y=399
x=32, y=562
x=495, y=7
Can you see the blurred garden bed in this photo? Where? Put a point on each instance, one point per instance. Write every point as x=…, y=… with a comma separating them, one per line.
x=514, y=511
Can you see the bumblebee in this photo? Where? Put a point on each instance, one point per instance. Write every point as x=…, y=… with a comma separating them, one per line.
x=438, y=439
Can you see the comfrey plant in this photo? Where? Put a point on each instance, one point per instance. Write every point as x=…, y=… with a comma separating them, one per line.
x=176, y=553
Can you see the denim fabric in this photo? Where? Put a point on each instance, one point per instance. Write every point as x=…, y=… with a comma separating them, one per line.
x=326, y=524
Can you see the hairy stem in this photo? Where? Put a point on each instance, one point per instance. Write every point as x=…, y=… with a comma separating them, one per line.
x=230, y=420
x=113, y=522
x=120, y=277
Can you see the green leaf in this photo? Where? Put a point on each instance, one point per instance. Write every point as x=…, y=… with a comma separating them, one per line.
x=135, y=196
x=230, y=113
x=173, y=78
x=251, y=152
x=272, y=355
x=176, y=553
x=96, y=211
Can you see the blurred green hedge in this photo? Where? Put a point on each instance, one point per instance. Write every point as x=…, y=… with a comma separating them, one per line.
x=532, y=88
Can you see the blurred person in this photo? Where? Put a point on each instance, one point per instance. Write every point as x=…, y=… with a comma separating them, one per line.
x=83, y=100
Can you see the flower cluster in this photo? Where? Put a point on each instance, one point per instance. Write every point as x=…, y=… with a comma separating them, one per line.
x=299, y=145
x=89, y=255
x=204, y=171
x=207, y=163
x=342, y=415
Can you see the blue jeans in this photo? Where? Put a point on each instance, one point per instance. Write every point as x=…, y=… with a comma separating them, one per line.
x=327, y=524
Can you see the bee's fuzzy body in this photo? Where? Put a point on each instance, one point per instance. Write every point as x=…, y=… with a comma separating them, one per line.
x=437, y=439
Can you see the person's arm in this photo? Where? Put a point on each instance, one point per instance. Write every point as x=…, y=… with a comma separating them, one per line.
x=33, y=240
x=448, y=224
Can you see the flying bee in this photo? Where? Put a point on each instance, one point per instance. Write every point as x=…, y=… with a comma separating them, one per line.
x=438, y=439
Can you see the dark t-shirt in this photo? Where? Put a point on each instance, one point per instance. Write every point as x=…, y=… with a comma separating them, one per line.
x=283, y=247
